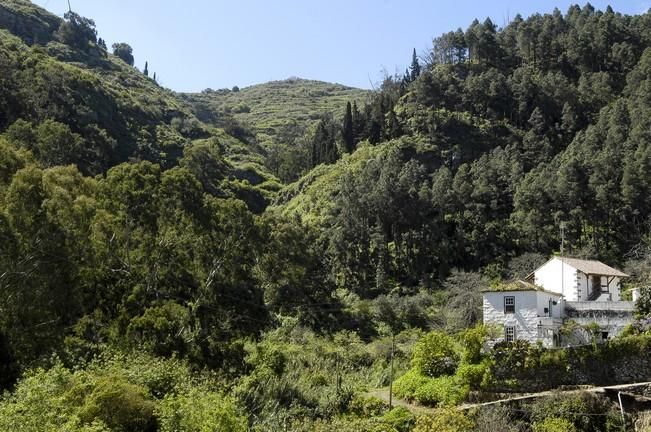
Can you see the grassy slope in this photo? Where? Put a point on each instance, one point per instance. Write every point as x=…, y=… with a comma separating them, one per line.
x=270, y=106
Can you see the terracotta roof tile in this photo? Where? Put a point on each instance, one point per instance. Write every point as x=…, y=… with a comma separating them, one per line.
x=592, y=267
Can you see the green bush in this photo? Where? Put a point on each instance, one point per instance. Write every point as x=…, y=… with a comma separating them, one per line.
x=36, y=405
x=474, y=375
x=406, y=386
x=199, y=410
x=118, y=404
x=553, y=424
x=444, y=420
x=442, y=391
x=400, y=419
x=367, y=406
x=473, y=341
x=435, y=355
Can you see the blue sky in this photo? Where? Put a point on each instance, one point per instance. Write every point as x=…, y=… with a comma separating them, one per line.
x=196, y=44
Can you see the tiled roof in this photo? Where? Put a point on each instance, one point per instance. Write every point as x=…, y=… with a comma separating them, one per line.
x=592, y=267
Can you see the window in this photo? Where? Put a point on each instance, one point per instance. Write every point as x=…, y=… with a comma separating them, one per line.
x=509, y=333
x=509, y=304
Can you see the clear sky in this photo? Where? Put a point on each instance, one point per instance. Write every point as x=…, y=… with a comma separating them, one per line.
x=196, y=44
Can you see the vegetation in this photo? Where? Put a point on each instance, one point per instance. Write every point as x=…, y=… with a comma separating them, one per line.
x=283, y=117
x=237, y=261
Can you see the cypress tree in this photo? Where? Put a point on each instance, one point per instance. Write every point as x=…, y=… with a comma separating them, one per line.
x=146, y=71
x=348, y=133
x=358, y=124
x=415, y=67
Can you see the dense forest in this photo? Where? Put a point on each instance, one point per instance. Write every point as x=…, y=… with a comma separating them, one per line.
x=168, y=265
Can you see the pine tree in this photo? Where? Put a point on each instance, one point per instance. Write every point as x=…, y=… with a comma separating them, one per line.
x=348, y=133
x=146, y=71
x=358, y=124
x=415, y=67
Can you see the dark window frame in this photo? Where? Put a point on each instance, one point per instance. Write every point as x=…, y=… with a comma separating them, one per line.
x=510, y=307
x=509, y=333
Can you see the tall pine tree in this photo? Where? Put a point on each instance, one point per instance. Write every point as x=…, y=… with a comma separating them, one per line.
x=347, y=132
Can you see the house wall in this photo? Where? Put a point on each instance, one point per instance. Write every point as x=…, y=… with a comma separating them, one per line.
x=584, y=287
x=542, y=300
x=525, y=318
x=558, y=277
x=616, y=289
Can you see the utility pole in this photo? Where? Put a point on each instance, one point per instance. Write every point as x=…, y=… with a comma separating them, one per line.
x=69, y=8
x=563, y=224
x=393, y=348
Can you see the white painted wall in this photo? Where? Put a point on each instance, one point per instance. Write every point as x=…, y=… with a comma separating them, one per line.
x=616, y=289
x=525, y=318
x=584, y=285
x=543, y=302
x=558, y=277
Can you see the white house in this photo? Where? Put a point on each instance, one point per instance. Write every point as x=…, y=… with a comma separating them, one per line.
x=561, y=290
x=579, y=280
x=522, y=310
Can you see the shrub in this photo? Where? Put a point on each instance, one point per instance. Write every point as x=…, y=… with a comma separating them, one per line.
x=406, y=386
x=473, y=341
x=474, y=375
x=36, y=404
x=496, y=418
x=435, y=355
x=643, y=422
x=553, y=424
x=400, y=419
x=367, y=406
x=571, y=407
x=118, y=404
x=444, y=420
x=442, y=391
x=199, y=410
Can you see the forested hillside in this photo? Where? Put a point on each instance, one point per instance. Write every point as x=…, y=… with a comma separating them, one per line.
x=175, y=263
x=479, y=158
x=281, y=116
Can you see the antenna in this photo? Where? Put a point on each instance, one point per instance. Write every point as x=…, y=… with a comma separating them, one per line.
x=563, y=225
x=69, y=7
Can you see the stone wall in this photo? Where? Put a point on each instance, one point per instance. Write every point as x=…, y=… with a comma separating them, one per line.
x=523, y=368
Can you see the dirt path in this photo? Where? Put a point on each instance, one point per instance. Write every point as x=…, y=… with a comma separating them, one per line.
x=383, y=394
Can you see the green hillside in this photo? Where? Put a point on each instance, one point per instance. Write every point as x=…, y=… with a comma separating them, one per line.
x=271, y=107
